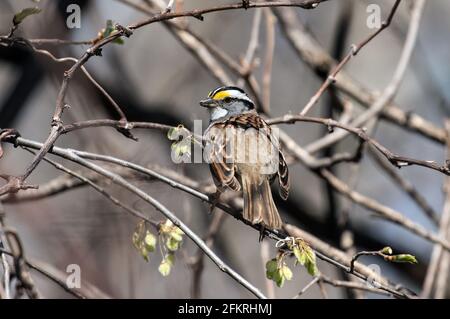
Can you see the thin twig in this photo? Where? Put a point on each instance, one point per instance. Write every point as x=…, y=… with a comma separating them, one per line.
x=247, y=62
x=405, y=185
x=197, y=264
x=309, y=285
x=101, y=190
x=444, y=225
x=361, y=272
x=73, y=156
x=442, y=274
x=353, y=285
x=388, y=94
x=268, y=63
x=396, y=160
x=353, y=51
x=316, y=57
x=198, y=13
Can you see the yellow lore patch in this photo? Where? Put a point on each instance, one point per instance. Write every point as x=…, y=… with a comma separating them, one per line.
x=220, y=95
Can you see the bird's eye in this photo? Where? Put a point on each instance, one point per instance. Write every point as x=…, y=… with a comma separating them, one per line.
x=227, y=99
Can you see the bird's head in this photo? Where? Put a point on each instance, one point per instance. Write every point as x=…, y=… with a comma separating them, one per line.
x=226, y=101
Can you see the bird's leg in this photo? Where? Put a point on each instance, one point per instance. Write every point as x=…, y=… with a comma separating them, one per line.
x=262, y=232
x=214, y=200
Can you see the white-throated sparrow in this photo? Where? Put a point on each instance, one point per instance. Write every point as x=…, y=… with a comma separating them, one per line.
x=243, y=153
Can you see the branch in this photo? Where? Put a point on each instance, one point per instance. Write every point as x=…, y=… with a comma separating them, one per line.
x=391, y=89
x=69, y=154
x=198, y=13
x=353, y=52
x=396, y=160
x=384, y=211
x=270, y=48
x=18, y=183
x=73, y=156
x=337, y=256
x=315, y=56
x=381, y=210
x=26, y=282
x=197, y=265
x=407, y=186
x=59, y=42
x=62, y=184
x=353, y=285
x=100, y=190
x=341, y=284
x=248, y=61
x=444, y=225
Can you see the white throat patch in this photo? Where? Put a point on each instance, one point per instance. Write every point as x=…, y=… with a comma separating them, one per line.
x=217, y=113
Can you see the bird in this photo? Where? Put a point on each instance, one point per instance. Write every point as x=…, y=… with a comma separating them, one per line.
x=244, y=154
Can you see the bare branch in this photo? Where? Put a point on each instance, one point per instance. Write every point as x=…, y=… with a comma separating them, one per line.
x=331, y=78
x=391, y=89
x=310, y=51
x=73, y=156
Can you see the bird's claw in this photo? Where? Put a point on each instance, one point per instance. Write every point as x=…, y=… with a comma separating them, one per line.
x=214, y=200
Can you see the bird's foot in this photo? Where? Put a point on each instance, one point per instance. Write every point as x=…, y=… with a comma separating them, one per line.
x=262, y=234
x=214, y=200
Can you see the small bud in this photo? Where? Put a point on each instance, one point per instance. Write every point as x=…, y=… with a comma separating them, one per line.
x=166, y=265
x=404, y=258
x=150, y=241
x=386, y=250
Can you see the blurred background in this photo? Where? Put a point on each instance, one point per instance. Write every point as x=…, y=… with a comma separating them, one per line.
x=155, y=78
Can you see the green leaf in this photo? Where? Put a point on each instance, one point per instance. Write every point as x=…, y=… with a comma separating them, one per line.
x=174, y=133
x=310, y=256
x=143, y=240
x=108, y=30
x=404, y=258
x=170, y=258
x=177, y=230
x=183, y=141
x=279, y=274
x=138, y=235
x=150, y=241
x=176, y=236
x=271, y=268
x=119, y=41
x=19, y=17
x=301, y=256
x=312, y=269
x=166, y=227
x=181, y=148
x=164, y=268
x=135, y=240
x=386, y=250
x=286, y=272
x=144, y=253
x=279, y=278
x=306, y=257
x=172, y=244
x=166, y=265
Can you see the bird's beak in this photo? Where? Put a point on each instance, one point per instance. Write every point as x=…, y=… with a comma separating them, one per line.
x=210, y=103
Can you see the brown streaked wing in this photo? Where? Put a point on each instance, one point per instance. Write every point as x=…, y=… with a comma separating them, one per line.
x=222, y=167
x=283, y=177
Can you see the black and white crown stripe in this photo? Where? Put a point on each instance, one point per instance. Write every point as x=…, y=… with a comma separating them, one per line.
x=233, y=91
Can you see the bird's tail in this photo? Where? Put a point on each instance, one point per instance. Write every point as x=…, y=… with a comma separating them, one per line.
x=259, y=207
